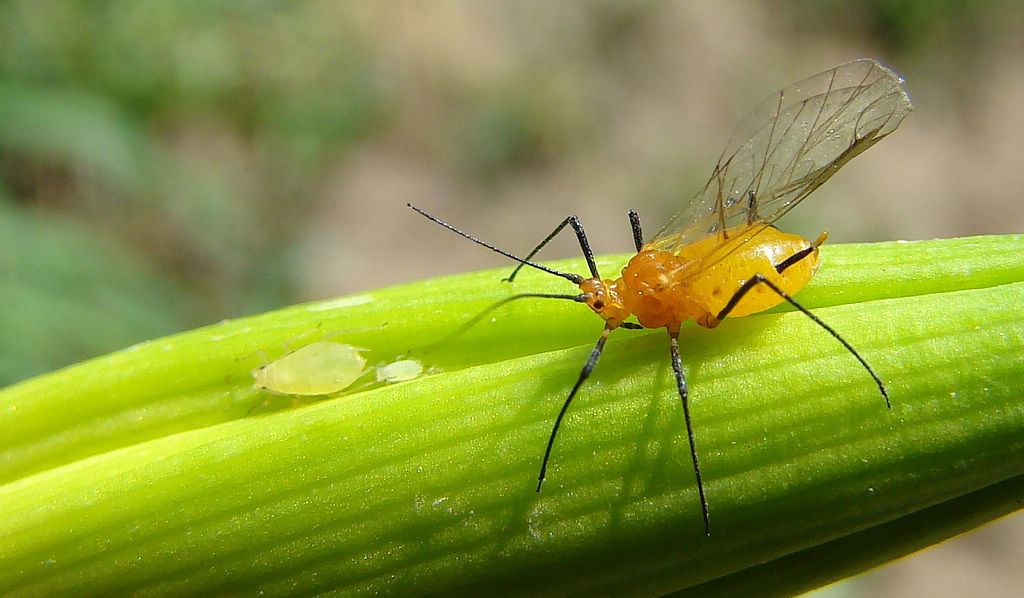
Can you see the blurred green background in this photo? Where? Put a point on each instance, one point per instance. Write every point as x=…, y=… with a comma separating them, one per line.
x=165, y=165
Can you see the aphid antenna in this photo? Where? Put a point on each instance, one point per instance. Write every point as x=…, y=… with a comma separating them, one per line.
x=573, y=278
x=581, y=236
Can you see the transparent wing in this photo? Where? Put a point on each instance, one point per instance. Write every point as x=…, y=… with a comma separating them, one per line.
x=790, y=144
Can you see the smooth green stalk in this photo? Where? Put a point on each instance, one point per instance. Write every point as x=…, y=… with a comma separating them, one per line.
x=148, y=471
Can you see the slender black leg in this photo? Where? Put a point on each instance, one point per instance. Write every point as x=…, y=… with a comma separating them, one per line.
x=541, y=245
x=584, y=374
x=638, y=233
x=581, y=235
x=760, y=279
x=677, y=367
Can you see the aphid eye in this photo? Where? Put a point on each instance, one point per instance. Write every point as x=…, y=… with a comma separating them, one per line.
x=599, y=304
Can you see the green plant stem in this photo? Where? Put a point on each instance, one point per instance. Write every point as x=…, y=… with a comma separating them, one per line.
x=141, y=472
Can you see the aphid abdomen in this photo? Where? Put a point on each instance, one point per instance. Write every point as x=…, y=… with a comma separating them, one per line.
x=716, y=285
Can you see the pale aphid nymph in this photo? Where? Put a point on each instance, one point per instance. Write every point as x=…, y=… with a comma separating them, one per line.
x=399, y=371
x=320, y=368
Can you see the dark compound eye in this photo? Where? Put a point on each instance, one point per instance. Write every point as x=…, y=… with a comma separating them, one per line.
x=599, y=304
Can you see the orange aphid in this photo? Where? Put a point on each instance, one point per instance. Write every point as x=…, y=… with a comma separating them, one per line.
x=720, y=255
x=665, y=288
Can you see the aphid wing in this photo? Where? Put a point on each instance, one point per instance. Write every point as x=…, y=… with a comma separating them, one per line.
x=790, y=144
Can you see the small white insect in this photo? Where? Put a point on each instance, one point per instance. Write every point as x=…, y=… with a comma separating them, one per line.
x=399, y=371
x=319, y=368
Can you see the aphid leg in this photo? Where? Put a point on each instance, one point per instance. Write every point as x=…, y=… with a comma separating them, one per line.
x=581, y=235
x=287, y=345
x=573, y=278
x=262, y=403
x=759, y=278
x=677, y=367
x=638, y=233
x=263, y=361
x=584, y=374
x=334, y=333
x=751, y=208
x=540, y=246
x=257, y=353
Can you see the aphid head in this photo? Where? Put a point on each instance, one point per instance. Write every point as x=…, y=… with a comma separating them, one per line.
x=603, y=298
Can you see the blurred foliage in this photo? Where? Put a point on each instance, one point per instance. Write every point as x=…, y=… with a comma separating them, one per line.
x=72, y=292
x=959, y=28
x=189, y=131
